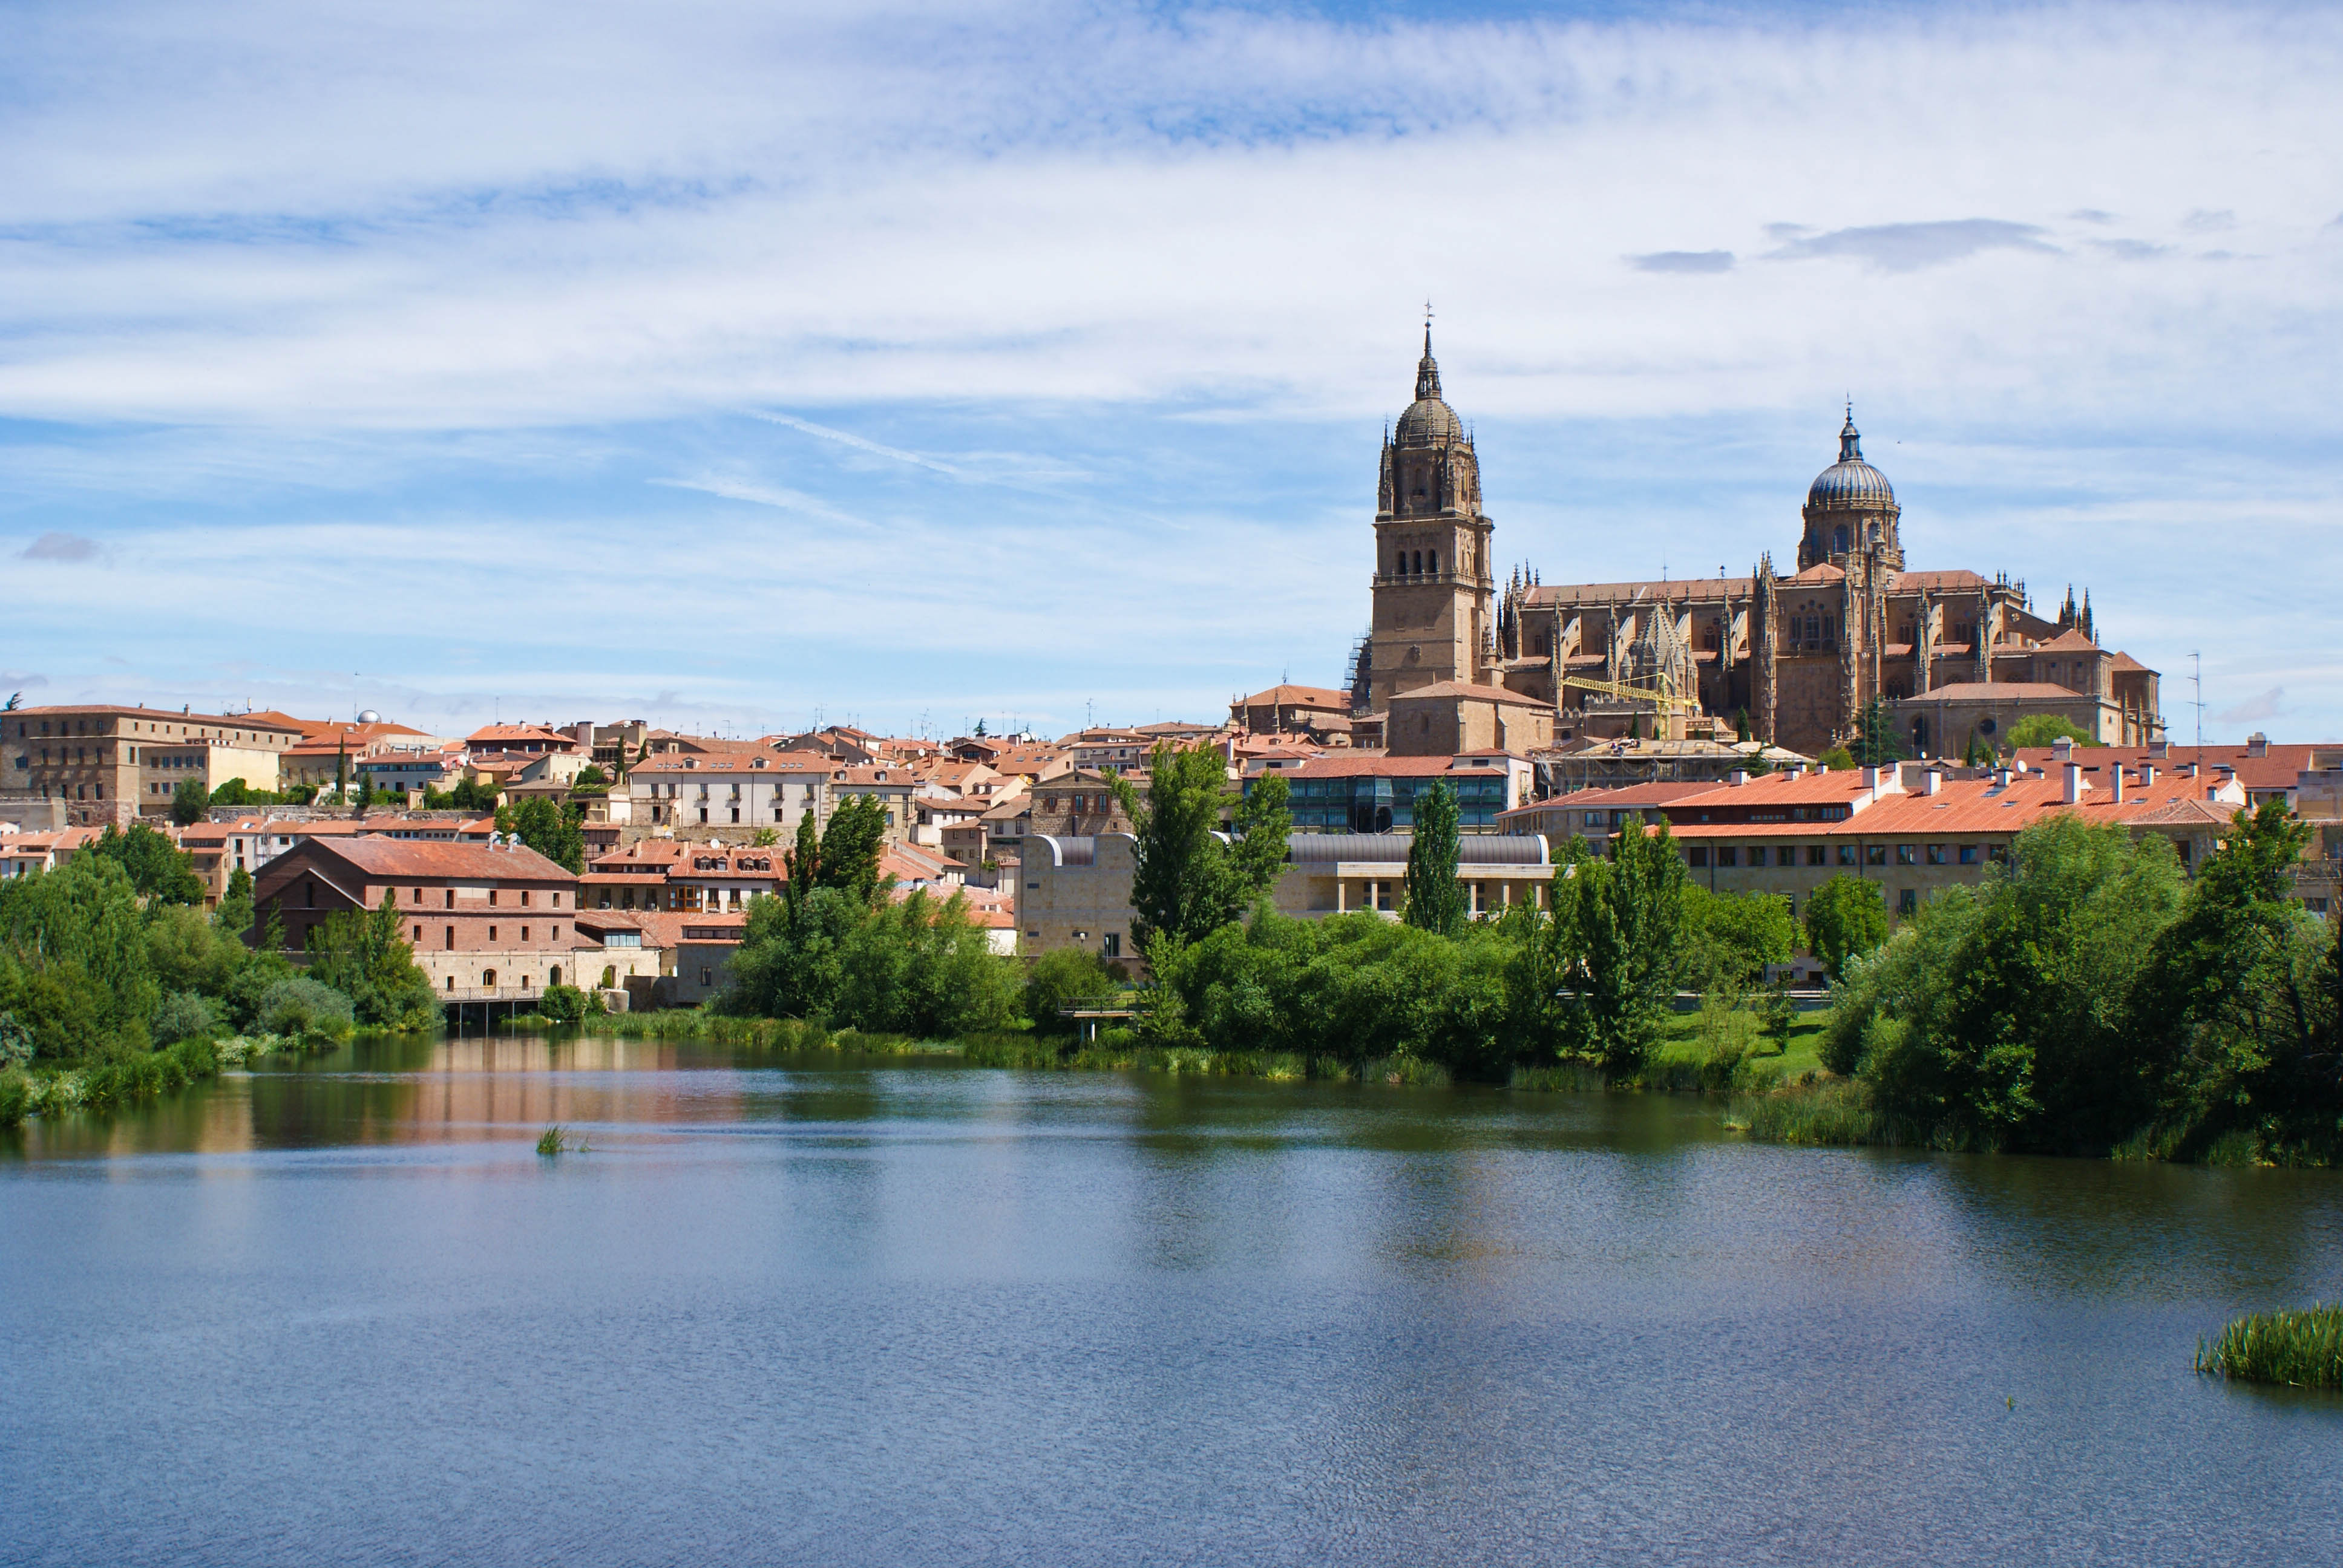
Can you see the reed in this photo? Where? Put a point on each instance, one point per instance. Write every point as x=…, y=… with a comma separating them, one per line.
x=1833, y=1111
x=554, y=1140
x=2299, y=1348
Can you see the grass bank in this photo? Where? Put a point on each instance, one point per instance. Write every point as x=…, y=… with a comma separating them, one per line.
x=2300, y=1348
x=54, y=1088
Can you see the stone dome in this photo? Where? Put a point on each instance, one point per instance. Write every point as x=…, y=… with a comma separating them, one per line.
x=1429, y=420
x=1851, y=483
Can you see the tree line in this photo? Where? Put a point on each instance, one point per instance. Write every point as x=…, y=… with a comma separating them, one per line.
x=112, y=955
x=2089, y=998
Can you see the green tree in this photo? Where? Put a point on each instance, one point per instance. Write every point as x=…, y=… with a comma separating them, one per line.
x=1846, y=918
x=75, y=967
x=1619, y=927
x=1064, y=975
x=805, y=862
x=916, y=966
x=189, y=802
x=2239, y=999
x=1262, y=821
x=1877, y=742
x=2041, y=728
x=1838, y=759
x=157, y=868
x=363, y=957
x=591, y=780
x=234, y=913
x=1730, y=937
x=237, y=792
x=1434, y=899
x=2003, y=1016
x=1183, y=885
x=549, y=831
x=850, y=847
x=764, y=837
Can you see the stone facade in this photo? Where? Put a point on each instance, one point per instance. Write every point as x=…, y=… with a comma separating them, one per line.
x=1797, y=655
x=1434, y=593
x=114, y=765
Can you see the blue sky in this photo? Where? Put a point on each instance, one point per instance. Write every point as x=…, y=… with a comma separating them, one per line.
x=730, y=366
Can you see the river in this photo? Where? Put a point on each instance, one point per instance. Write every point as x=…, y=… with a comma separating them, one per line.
x=814, y=1311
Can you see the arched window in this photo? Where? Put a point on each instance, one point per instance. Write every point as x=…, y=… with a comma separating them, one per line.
x=1435, y=563
x=1419, y=562
x=1400, y=570
x=553, y=977
x=487, y=979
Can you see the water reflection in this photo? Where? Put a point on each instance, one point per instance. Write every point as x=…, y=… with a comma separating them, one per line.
x=817, y=1310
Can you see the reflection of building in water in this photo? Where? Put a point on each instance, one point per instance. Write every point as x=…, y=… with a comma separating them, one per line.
x=488, y=922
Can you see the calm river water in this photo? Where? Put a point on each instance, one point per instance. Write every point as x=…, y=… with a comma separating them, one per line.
x=825, y=1312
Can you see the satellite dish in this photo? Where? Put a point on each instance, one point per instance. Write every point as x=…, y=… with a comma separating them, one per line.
x=369, y=716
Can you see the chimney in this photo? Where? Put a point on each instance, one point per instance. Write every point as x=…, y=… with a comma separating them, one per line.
x=2062, y=749
x=2074, y=785
x=2257, y=744
x=2118, y=784
x=2001, y=777
x=1930, y=781
x=1871, y=780
x=2160, y=748
x=1740, y=776
x=2146, y=777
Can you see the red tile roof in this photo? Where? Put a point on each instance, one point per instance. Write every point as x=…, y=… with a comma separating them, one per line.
x=1463, y=690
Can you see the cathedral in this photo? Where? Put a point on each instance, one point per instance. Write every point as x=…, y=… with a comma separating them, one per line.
x=1794, y=659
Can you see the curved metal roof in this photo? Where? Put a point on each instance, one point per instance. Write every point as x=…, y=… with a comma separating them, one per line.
x=1473, y=848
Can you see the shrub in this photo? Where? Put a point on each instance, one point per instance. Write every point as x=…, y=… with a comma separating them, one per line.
x=562, y=1004
x=183, y=1015
x=15, y=1042
x=16, y=1095
x=1066, y=975
x=299, y=1005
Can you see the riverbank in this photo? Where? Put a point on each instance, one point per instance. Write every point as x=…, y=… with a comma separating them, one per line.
x=54, y=1088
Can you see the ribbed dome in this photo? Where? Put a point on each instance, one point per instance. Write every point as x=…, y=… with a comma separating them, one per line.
x=1850, y=482
x=1429, y=420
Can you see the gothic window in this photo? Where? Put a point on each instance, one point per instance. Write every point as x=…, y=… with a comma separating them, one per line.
x=1400, y=568
x=1435, y=563
x=1419, y=561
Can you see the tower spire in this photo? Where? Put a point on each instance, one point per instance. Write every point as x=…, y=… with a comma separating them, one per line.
x=1850, y=439
x=1427, y=370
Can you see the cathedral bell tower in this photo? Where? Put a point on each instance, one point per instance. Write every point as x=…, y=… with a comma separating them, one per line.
x=1434, y=596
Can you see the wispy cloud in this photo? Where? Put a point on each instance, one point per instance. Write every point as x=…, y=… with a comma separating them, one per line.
x=57, y=547
x=846, y=438
x=2255, y=709
x=1909, y=246
x=1682, y=261
x=759, y=495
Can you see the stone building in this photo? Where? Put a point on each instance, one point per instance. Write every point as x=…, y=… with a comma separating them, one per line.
x=1797, y=655
x=111, y=764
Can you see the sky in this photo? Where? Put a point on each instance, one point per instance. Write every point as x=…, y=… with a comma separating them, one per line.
x=744, y=366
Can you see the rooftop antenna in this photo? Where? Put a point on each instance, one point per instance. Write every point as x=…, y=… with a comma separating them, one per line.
x=2197, y=678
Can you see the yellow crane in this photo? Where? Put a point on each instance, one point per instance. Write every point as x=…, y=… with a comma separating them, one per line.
x=1662, y=695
